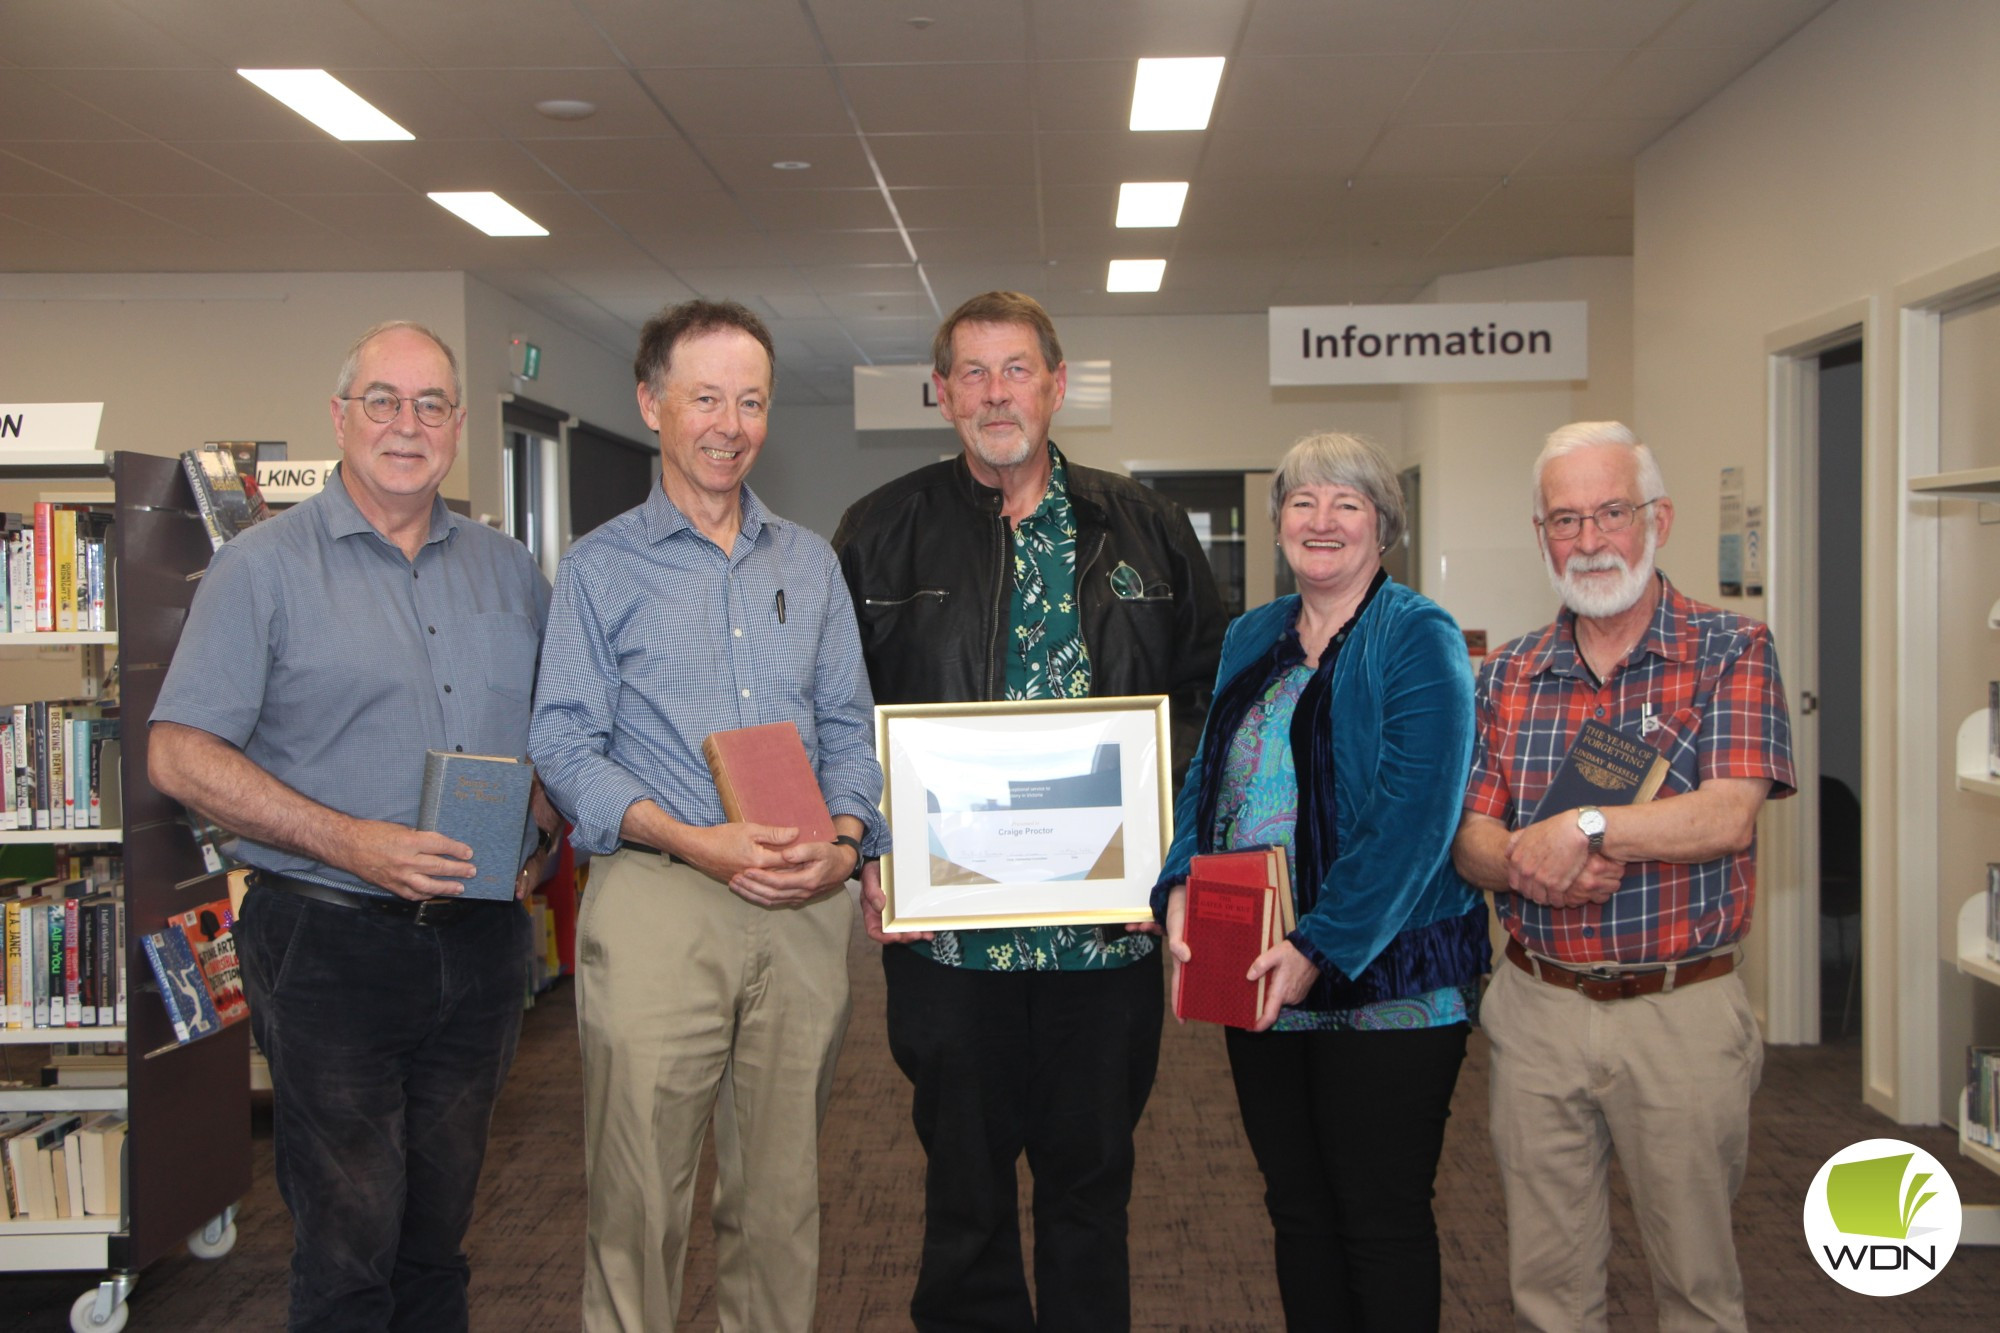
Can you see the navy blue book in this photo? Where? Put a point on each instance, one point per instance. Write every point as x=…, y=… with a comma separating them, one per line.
x=1604, y=767
x=181, y=985
x=482, y=801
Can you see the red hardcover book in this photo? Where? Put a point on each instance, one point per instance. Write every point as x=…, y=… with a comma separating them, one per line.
x=764, y=777
x=1234, y=913
x=45, y=569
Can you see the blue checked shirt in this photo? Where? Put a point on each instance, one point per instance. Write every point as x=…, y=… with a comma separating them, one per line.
x=333, y=661
x=657, y=637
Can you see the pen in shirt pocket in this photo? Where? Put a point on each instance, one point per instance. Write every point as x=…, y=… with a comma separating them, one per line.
x=781, y=606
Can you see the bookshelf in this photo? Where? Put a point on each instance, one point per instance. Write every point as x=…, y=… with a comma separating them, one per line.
x=187, y=1152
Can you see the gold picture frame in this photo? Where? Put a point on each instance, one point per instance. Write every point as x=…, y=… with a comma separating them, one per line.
x=1040, y=812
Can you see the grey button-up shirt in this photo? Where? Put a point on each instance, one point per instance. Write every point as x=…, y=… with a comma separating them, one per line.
x=333, y=661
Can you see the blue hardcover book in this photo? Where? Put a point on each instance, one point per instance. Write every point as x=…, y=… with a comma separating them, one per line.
x=481, y=800
x=181, y=985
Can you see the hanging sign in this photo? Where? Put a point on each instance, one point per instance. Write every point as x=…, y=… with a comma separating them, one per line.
x=1430, y=344
x=903, y=397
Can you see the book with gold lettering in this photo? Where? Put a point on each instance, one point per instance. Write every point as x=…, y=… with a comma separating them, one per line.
x=1238, y=905
x=481, y=800
x=1604, y=767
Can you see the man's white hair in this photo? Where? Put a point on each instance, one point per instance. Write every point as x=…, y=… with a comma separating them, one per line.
x=1590, y=434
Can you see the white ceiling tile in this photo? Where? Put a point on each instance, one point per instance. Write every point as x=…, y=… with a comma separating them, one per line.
x=1665, y=83
x=1083, y=95
x=182, y=104
x=852, y=280
x=1592, y=147
x=325, y=167
x=1451, y=150
x=953, y=159
x=744, y=161
x=621, y=164
x=1129, y=29
x=1558, y=25
x=868, y=31
x=958, y=282
x=239, y=217
x=1553, y=199
x=1389, y=201
x=652, y=211
x=504, y=100
x=1288, y=27
x=877, y=246
x=1112, y=156
x=867, y=305
x=41, y=106
x=805, y=315
x=1757, y=25
x=131, y=167
x=462, y=164
x=739, y=32
x=86, y=32
x=934, y=99
x=1303, y=91
x=1459, y=89
x=19, y=176
x=791, y=100
x=421, y=104
x=1278, y=153
x=256, y=34
x=977, y=245
x=996, y=206
x=526, y=32
x=806, y=210
x=86, y=216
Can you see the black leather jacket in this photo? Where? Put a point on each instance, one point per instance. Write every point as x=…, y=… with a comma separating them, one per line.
x=928, y=561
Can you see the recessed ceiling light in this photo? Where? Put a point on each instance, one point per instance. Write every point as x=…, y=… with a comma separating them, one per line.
x=1175, y=94
x=490, y=213
x=1151, y=203
x=327, y=103
x=1135, y=275
x=791, y=166
x=567, y=108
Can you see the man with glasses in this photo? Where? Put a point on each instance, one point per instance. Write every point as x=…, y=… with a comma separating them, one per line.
x=1011, y=572
x=1618, y=1022
x=325, y=652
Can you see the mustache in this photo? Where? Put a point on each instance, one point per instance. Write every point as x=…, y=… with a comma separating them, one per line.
x=988, y=418
x=1595, y=564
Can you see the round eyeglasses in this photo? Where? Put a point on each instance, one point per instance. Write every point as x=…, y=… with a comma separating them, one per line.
x=1614, y=517
x=382, y=406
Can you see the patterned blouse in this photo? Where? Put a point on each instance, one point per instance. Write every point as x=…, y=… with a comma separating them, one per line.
x=1049, y=660
x=1258, y=805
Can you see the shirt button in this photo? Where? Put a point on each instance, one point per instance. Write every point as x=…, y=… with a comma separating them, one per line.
x=447, y=689
x=1600, y=712
x=737, y=632
x=746, y=694
x=432, y=628
x=415, y=575
x=459, y=748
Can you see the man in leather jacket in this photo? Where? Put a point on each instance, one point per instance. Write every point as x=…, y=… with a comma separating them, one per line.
x=1011, y=572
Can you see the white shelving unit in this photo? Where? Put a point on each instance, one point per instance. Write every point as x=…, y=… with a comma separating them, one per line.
x=1981, y=1222
x=1979, y=483
x=1969, y=773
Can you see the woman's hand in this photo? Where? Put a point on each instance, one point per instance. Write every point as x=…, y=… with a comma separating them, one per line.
x=1177, y=949
x=1291, y=975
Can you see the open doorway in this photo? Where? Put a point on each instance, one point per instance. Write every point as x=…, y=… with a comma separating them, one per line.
x=1836, y=698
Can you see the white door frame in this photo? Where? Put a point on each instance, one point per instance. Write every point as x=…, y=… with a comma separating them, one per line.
x=1788, y=862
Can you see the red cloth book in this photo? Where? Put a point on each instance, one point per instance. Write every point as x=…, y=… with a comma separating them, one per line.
x=1236, y=909
x=764, y=777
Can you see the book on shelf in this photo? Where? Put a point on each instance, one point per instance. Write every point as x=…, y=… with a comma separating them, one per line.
x=1993, y=911
x=208, y=931
x=101, y=1140
x=33, y=1153
x=56, y=568
x=62, y=938
x=763, y=777
x=183, y=989
x=1982, y=1095
x=1238, y=905
x=482, y=801
x=226, y=505
x=1603, y=767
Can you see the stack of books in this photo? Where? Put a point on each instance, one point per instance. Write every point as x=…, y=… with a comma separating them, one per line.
x=1238, y=905
x=65, y=1165
x=60, y=765
x=57, y=568
x=1982, y=1095
x=65, y=956
x=194, y=960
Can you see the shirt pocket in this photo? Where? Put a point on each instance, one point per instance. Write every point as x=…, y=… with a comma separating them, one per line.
x=508, y=646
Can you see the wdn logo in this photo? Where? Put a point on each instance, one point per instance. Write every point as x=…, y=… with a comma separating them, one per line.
x=1882, y=1217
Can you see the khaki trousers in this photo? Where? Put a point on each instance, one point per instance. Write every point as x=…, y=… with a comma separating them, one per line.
x=690, y=1001
x=1665, y=1081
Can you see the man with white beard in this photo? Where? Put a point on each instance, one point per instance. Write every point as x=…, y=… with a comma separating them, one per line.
x=1619, y=1022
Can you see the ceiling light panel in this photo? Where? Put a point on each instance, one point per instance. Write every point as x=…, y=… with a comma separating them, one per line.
x=1151, y=203
x=327, y=103
x=1176, y=94
x=1135, y=275
x=489, y=212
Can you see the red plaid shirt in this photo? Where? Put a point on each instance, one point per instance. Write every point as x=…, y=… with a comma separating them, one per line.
x=1702, y=686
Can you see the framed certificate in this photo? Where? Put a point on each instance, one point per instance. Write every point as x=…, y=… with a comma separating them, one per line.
x=1045, y=812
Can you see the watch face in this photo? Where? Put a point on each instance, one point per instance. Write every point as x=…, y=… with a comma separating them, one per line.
x=1592, y=823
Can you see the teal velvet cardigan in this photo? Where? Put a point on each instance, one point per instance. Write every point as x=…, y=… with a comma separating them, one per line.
x=1382, y=774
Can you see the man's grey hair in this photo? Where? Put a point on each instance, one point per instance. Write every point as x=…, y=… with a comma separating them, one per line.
x=1332, y=458
x=1592, y=434
x=343, y=384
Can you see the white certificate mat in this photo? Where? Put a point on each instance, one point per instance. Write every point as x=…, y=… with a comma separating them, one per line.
x=1032, y=813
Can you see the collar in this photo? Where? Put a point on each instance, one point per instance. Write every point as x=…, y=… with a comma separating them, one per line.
x=1666, y=636
x=1056, y=497
x=344, y=518
x=660, y=518
x=989, y=497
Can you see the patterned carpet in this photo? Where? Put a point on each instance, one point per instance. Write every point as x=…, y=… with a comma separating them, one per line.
x=1200, y=1241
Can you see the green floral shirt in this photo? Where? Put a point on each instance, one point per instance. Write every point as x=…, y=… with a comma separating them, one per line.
x=1047, y=660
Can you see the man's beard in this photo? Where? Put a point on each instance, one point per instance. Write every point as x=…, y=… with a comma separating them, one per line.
x=998, y=455
x=1593, y=598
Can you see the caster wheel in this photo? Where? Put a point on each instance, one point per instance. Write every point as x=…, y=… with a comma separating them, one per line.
x=83, y=1315
x=212, y=1242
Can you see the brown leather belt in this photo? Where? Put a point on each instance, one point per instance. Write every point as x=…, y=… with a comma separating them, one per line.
x=1609, y=984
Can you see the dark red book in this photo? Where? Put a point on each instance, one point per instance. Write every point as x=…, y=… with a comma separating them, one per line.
x=764, y=777
x=1236, y=909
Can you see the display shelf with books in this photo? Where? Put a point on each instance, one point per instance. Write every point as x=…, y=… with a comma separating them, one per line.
x=165, y=1095
x=1974, y=770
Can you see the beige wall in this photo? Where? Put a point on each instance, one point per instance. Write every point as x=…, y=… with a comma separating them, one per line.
x=1857, y=156
x=1476, y=444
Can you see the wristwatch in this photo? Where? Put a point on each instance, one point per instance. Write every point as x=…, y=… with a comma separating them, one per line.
x=1591, y=820
x=843, y=840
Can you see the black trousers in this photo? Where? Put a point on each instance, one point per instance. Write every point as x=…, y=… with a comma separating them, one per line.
x=1347, y=1128
x=388, y=1043
x=1056, y=1064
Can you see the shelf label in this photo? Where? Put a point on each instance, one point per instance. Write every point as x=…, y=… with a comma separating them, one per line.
x=288, y=481
x=49, y=427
